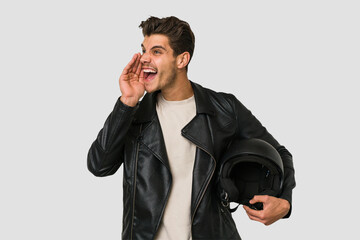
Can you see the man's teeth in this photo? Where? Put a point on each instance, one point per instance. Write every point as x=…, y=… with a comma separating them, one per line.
x=149, y=71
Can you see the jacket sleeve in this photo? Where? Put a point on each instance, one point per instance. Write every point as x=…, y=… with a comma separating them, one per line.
x=105, y=154
x=250, y=127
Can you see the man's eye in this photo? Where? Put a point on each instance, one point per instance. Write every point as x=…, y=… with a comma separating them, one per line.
x=156, y=52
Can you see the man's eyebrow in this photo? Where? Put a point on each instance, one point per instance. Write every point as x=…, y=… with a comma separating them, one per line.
x=156, y=46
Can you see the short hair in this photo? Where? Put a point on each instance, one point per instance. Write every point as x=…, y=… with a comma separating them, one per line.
x=181, y=38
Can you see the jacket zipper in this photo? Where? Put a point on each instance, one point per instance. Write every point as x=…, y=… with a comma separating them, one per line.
x=134, y=187
x=207, y=184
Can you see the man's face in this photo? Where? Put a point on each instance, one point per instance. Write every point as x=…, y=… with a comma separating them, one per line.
x=158, y=63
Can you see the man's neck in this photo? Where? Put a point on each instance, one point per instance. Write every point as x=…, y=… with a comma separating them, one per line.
x=181, y=90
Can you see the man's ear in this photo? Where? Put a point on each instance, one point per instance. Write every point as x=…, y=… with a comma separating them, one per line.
x=182, y=60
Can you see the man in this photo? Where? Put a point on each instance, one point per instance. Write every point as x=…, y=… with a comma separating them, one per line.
x=171, y=142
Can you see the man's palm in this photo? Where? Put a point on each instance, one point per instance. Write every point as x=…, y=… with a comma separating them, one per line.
x=131, y=80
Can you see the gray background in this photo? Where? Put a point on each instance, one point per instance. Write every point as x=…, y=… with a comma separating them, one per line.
x=293, y=63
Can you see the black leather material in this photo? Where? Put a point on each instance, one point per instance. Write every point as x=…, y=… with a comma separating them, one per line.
x=133, y=137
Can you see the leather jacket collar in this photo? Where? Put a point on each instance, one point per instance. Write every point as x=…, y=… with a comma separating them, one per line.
x=147, y=108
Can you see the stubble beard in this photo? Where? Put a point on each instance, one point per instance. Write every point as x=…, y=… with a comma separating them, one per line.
x=168, y=83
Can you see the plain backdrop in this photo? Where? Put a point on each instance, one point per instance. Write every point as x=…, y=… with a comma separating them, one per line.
x=294, y=64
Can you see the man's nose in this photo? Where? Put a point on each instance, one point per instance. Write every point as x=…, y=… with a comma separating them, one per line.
x=145, y=58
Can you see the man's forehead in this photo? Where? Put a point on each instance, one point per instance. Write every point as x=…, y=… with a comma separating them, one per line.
x=155, y=40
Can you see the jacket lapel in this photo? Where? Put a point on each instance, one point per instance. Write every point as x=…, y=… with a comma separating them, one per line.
x=152, y=134
x=198, y=131
x=155, y=143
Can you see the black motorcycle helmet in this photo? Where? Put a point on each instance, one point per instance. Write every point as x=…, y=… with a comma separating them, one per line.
x=250, y=167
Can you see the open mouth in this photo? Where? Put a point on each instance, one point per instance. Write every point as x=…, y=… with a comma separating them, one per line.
x=149, y=74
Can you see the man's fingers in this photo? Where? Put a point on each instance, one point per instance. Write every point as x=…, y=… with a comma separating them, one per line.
x=136, y=64
x=259, y=198
x=255, y=215
x=130, y=65
x=274, y=209
x=139, y=65
x=252, y=212
x=141, y=77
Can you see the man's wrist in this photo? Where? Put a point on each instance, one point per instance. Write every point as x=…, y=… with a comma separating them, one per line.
x=287, y=206
x=128, y=101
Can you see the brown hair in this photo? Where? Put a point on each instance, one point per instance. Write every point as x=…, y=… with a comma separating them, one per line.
x=181, y=38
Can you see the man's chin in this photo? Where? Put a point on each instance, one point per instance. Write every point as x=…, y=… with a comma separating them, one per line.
x=149, y=88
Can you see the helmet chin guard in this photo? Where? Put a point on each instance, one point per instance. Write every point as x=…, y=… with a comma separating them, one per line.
x=250, y=167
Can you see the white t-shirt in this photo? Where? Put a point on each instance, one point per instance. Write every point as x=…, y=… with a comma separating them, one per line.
x=173, y=116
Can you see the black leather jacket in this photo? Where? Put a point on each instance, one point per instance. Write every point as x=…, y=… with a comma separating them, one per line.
x=133, y=137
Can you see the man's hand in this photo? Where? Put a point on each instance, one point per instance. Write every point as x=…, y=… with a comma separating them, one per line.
x=273, y=209
x=131, y=82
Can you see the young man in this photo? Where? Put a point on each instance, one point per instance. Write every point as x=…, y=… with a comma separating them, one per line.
x=171, y=142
